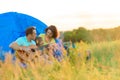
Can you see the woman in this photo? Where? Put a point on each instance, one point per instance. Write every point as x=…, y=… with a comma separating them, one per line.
x=48, y=38
x=50, y=35
x=49, y=41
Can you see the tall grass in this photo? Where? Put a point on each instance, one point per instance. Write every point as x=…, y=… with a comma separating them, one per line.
x=103, y=65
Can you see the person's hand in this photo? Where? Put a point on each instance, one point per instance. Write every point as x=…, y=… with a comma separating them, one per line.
x=24, y=48
x=27, y=49
x=33, y=46
x=50, y=46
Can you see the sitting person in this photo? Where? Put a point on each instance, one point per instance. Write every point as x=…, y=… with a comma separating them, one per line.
x=49, y=38
x=25, y=43
x=39, y=42
x=44, y=49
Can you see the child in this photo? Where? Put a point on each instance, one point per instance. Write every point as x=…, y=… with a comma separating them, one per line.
x=39, y=42
x=44, y=49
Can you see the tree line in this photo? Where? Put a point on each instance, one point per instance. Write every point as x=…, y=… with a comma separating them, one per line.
x=96, y=35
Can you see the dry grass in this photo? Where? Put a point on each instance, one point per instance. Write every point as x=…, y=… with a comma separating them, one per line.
x=104, y=65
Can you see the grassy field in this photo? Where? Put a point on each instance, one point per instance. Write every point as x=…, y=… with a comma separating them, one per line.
x=103, y=65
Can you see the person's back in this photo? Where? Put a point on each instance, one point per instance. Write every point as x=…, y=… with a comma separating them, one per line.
x=22, y=41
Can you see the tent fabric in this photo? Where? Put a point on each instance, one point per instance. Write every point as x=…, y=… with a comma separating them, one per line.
x=13, y=25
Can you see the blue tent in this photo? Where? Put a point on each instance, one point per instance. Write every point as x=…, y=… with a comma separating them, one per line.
x=13, y=25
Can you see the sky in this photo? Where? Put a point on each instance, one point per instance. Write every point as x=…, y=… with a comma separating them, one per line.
x=68, y=14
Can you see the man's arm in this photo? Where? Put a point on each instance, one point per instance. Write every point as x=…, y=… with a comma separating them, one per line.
x=28, y=49
x=15, y=46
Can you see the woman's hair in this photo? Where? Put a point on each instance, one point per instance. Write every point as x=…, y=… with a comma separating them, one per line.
x=54, y=31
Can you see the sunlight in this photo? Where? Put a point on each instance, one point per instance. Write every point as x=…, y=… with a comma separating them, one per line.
x=68, y=15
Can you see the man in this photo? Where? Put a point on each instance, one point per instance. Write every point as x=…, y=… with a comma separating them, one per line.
x=25, y=43
x=27, y=40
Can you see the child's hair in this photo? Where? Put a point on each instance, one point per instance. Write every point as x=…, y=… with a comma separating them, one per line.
x=38, y=40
